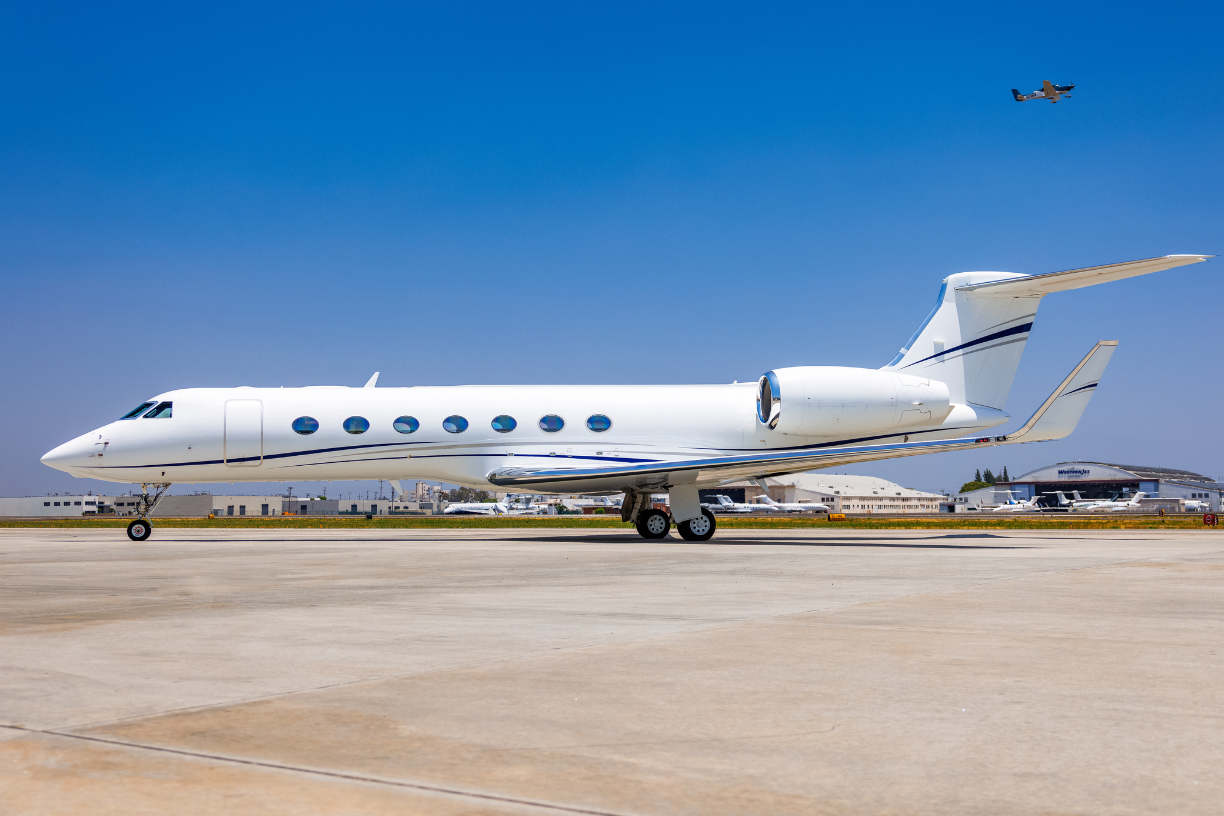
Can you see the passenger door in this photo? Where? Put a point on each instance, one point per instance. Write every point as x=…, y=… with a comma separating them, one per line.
x=243, y=433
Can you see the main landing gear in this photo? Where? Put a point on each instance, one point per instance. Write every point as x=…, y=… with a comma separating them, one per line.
x=655, y=524
x=141, y=529
x=698, y=529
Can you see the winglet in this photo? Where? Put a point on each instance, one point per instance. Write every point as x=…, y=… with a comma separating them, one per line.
x=1061, y=412
x=372, y=381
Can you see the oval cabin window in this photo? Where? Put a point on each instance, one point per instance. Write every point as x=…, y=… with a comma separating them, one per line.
x=406, y=424
x=599, y=423
x=551, y=423
x=356, y=425
x=305, y=425
x=454, y=424
x=504, y=424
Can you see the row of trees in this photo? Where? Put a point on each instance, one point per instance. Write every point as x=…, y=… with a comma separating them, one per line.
x=985, y=479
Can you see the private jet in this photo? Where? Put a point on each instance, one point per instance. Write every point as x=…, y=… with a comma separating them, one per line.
x=1116, y=506
x=1016, y=506
x=944, y=391
x=1076, y=502
x=792, y=507
x=1048, y=91
x=724, y=504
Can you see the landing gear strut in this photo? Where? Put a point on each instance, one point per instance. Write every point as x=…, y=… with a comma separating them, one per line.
x=141, y=529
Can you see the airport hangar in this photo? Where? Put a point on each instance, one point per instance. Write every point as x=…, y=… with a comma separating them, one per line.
x=1101, y=480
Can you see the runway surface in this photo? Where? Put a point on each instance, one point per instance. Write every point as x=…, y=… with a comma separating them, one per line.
x=507, y=671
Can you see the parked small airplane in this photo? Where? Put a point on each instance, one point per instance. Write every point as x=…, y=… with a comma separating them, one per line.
x=510, y=506
x=1196, y=506
x=792, y=507
x=1116, y=506
x=1048, y=91
x=723, y=504
x=477, y=509
x=1075, y=503
x=1016, y=506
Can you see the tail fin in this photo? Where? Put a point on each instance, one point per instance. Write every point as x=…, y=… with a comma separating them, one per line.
x=973, y=340
x=1016, y=94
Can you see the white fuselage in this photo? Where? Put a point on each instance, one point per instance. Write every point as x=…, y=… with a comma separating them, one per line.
x=247, y=435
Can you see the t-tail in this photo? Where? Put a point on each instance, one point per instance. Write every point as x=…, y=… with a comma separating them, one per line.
x=973, y=339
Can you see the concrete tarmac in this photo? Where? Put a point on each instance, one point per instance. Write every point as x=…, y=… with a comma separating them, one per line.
x=552, y=672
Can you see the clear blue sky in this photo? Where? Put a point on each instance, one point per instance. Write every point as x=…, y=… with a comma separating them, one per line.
x=215, y=196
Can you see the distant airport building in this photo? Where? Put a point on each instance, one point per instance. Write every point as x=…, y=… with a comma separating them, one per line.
x=1166, y=488
x=842, y=494
x=199, y=505
x=57, y=505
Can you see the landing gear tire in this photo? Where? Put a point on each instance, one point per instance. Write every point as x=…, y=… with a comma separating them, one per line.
x=653, y=524
x=139, y=530
x=698, y=529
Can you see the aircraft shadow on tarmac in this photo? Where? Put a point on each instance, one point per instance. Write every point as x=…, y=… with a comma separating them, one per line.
x=787, y=542
x=632, y=538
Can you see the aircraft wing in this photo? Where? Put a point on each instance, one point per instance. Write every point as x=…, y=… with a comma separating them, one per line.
x=1056, y=418
x=1048, y=88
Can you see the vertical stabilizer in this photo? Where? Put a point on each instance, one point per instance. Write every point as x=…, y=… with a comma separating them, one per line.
x=969, y=342
x=973, y=340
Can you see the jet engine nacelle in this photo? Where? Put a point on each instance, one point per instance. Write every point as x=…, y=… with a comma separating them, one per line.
x=836, y=401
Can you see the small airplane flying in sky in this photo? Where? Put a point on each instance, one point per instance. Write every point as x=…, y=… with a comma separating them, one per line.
x=1048, y=91
x=944, y=391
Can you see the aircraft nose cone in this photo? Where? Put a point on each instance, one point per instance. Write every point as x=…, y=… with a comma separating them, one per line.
x=74, y=454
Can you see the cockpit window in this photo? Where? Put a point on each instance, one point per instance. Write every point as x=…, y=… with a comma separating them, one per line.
x=162, y=411
x=137, y=411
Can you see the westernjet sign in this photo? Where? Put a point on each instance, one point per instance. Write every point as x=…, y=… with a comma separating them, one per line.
x=1073, y=473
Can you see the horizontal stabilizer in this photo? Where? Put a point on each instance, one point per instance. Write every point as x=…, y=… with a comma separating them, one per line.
x=1037, y=285
x=1061, y=412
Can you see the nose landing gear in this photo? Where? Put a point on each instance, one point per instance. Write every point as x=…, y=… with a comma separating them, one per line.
x=141, y=529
